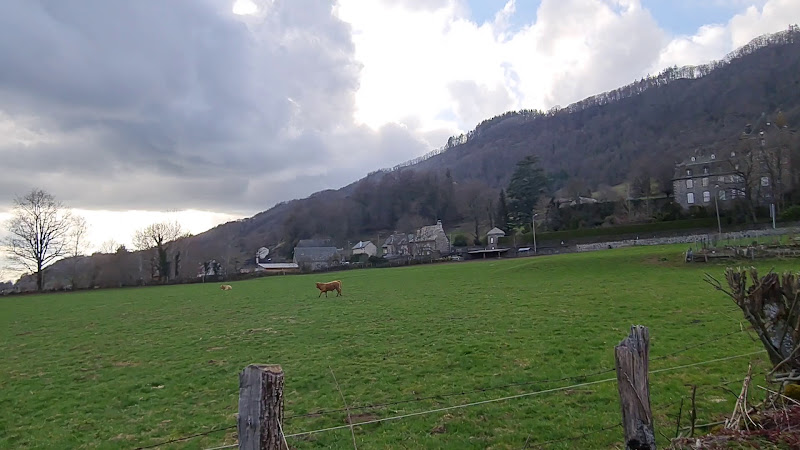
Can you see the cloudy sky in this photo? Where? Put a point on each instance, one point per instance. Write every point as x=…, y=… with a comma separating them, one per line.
x=216, y=109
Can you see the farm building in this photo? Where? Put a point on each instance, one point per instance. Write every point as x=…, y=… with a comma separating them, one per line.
x=316, y=258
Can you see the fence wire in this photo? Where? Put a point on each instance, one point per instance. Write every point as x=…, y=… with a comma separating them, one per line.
x=472, y=391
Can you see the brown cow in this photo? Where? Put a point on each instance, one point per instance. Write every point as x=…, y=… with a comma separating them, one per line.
x=330, y=286
x=226, y=287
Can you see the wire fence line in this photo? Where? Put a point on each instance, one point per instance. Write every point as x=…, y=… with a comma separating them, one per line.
x=504, y=386
x=452, y=394
x=185, y=438
x=511, y=397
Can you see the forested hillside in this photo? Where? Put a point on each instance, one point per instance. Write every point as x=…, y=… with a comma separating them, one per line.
x=636, y=132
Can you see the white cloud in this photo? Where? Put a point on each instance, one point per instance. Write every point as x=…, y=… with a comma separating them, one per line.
x=714, y=41
x=439, y=65
x=234, y=113
x=120, y=226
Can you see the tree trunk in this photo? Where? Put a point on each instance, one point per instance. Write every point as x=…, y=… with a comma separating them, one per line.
x=39, y=276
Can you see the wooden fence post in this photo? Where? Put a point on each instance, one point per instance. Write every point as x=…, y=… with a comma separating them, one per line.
x=260, y=407
x=631, y=357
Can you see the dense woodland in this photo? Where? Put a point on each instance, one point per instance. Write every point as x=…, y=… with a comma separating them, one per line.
x=632, y=135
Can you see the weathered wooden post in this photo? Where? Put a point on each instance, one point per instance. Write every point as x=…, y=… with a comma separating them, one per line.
x=631, y=357
x=260, y=407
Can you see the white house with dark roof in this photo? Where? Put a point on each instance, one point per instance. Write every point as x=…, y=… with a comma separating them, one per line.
x=365, y=248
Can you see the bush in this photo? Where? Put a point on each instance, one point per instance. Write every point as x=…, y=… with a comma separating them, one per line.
x=460, y=240
x=790, y=213
x=377, y=260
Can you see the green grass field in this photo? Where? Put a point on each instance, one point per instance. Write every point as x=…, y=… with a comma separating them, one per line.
x=134, y=367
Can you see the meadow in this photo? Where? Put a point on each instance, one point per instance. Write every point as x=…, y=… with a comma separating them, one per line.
x=136, y=367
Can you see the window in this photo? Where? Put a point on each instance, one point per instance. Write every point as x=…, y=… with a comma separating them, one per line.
x=721, y=194
x=689, y=183
x=688, y=172
x=765, y=181
x=722, y=178
x=713, y=156
x=736, y=167
x=733, y=154
x=705, y=170
x=491, y=240
x=690, y=198
x=706, y=196
x=705, y=181
x=693, y=159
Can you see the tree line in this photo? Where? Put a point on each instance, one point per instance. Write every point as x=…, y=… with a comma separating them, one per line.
x=42, y=231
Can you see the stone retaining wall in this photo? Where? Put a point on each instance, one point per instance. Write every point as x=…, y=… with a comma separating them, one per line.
x=686, y=239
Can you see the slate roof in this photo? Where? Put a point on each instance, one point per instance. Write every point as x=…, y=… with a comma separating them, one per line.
x=361, y=244
x=314, y=254
x=428, y=233
x=496, y=232
x=395, y=239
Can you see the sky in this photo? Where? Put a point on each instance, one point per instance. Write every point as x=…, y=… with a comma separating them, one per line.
x=219, y=109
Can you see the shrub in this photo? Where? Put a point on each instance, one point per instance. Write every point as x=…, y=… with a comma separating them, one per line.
x=460, y=240
x=791, y=213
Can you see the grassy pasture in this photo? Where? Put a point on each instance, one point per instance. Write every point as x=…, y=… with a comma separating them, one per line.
x=133, y=367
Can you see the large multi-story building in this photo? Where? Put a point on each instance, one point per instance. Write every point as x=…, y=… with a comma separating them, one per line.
x=756, y=168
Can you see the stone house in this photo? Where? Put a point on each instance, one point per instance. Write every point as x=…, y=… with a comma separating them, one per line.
x=430, y=240
x=755, y=163
x=396, y=245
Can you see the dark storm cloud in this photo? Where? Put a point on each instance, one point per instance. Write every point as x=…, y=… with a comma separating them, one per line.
x=181, y=104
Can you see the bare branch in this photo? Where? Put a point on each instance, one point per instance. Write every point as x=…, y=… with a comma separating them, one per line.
x=38, y=232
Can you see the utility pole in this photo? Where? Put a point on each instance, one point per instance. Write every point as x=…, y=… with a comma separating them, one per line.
x=533, y=229
x=716, y=206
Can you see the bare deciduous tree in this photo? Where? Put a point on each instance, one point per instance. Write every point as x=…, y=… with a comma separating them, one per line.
x=39, y=233
x=78, y=243
x=109, y=246
x=158, y=237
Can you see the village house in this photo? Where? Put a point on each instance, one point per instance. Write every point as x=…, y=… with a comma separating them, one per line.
x=396, y=245
x=430, y=240
x=365, y=248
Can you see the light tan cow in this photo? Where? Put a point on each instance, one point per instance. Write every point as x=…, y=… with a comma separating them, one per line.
x=330, y=286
